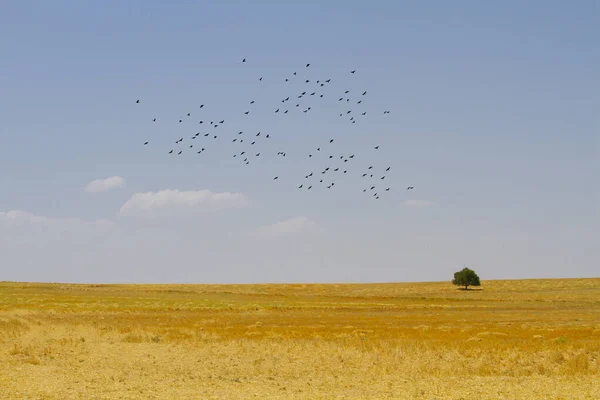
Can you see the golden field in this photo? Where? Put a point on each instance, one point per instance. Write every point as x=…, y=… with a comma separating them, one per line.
x=528, y=339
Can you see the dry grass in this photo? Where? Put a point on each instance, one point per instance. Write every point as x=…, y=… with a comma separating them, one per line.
x=531, y=339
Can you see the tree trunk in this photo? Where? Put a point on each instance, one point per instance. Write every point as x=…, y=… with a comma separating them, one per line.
x=466, y=286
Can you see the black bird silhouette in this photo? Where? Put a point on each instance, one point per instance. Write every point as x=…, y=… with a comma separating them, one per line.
x=376, y=147
x=286, y=111
x=201, y=105
x=331, y=141
x=277, y=110
x=352, y=71
x=244, y=60
x=371, y=167
x=180, y=121
x=310, y=187
x=221, y=121
x=260, y=79
x=275, y=178
x=346, y=92
x=410, y=187
x=364, y=175
x=145, y=143
x=387, y=190
x=383, y=177
x=387, y=169
x=171, y=152
x=307, y=65
x=328, y=80
x=300, y=187
x=189, y=114
x=358, y=102
x=180, y=152
x=365, y=92
x=247, y=112
x=154, y=120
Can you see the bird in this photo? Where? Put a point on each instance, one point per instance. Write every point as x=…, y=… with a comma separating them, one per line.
x=352, y=71
x=300, y=187
x=221, y=121
x=171, y=152
x=331, y=141
x=201, y=105
x=247, y=112
x=180, y=152
x=346, y=92
x=137, y=101
x=307, y=65
x=365, y=92
x=277, y=110
x=376, y=147
x=387, y=169
x=310, y=187
x=387, y=190
x=410, y=188
x=276, y=178
x=189, y=114
x=145, y=143
x=260, y=79
x=244, y=60
x=154, y=120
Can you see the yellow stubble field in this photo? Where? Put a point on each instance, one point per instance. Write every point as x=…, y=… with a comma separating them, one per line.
x=528, y=339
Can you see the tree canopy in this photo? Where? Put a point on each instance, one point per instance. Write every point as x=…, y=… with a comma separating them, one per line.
x=467, y=277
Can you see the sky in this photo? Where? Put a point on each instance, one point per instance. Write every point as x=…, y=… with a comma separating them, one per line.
x=494, y=120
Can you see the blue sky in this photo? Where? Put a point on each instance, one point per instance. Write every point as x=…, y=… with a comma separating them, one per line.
x=494, y=120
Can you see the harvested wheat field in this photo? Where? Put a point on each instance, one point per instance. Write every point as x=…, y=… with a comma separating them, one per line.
x=530, y=339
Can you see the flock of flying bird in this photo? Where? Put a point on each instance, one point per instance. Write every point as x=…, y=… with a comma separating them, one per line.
x=286, y=107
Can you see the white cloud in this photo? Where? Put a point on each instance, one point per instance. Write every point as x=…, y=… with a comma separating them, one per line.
x=287, y=227
x=14, y=217
x=417, y=203
x=169, y=201
x=103, y=185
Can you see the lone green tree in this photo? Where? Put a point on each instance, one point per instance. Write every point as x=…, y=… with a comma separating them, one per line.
x=467, y=277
